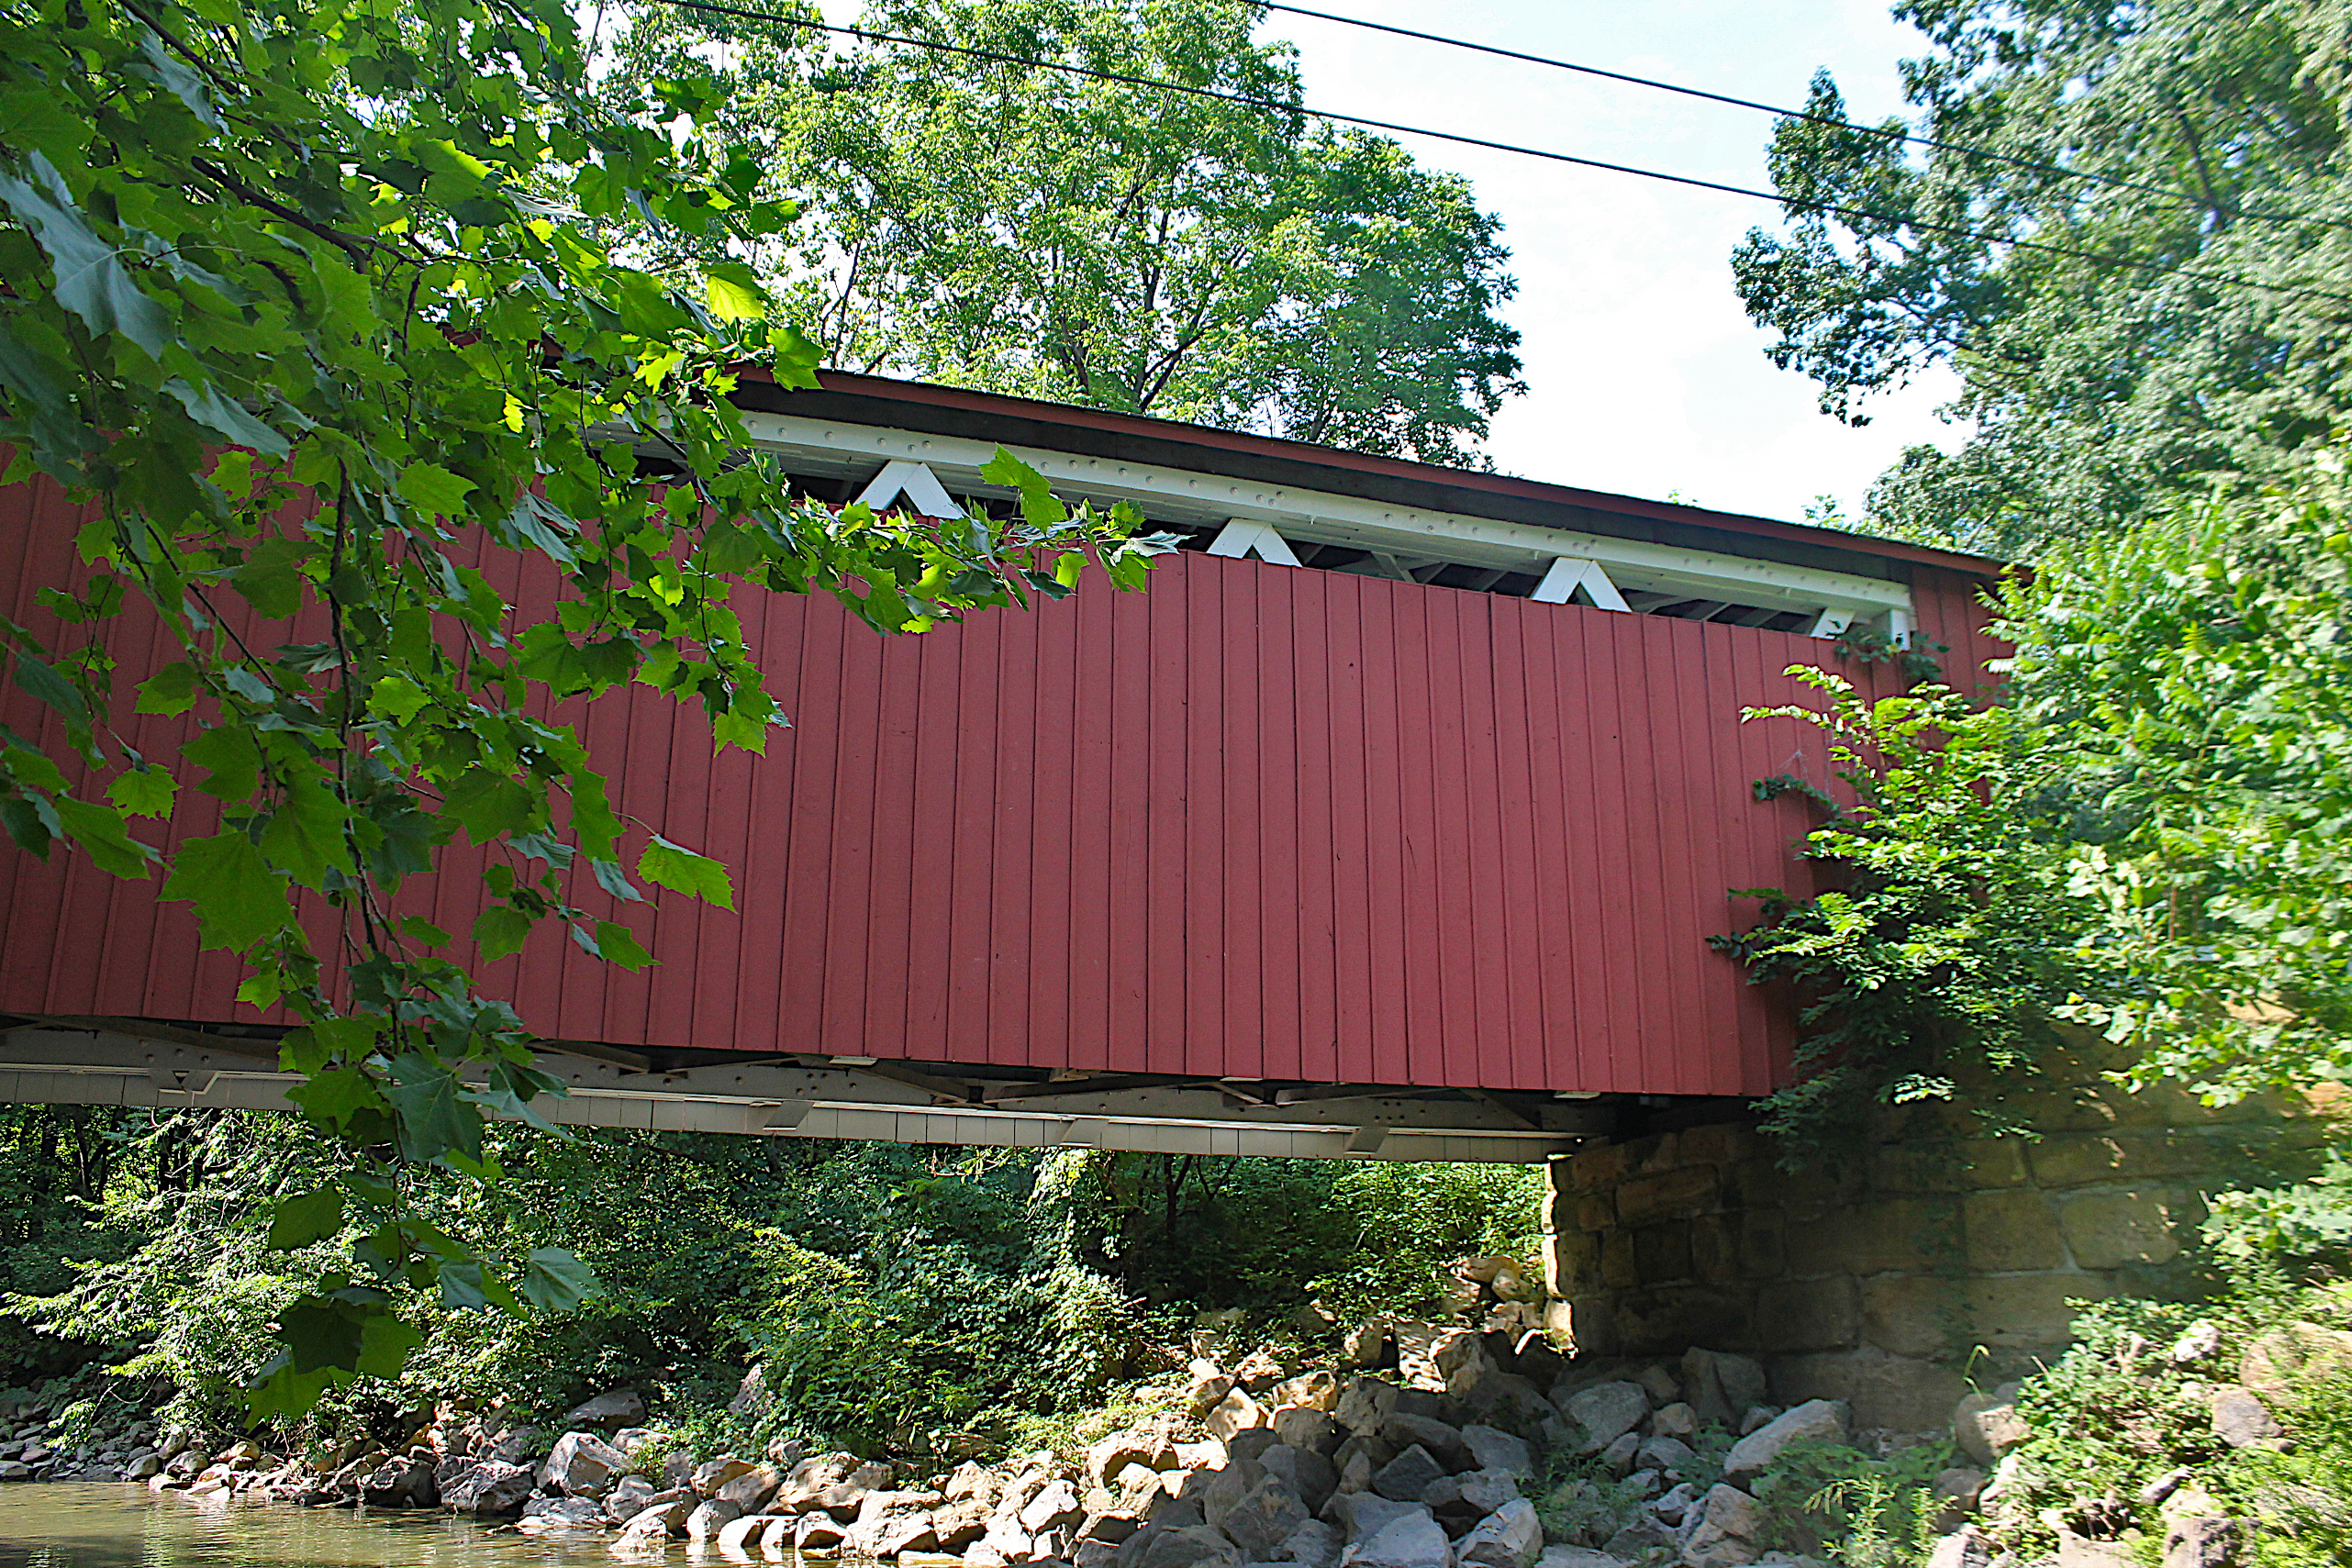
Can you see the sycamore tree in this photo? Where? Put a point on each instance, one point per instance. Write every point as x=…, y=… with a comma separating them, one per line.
x=2100, y=390
x=310, y=302
x=1019, y=229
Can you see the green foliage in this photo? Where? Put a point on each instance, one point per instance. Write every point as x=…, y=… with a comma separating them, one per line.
x=1027, y=231
x=2308, y=1222
x=893, y=1298
x=2116, y=1413
x=2144, y=839
x=1862, y=1512
x=1951, y=926
x=301, y=295
x=2100, y=391
x=1271, y=1235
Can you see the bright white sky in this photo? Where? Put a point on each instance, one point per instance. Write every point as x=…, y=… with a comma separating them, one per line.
x=1645, y=376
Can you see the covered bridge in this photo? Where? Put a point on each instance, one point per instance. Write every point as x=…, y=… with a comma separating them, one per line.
x=1392, y=821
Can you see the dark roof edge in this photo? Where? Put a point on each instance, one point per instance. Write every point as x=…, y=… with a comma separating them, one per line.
x=761, y=393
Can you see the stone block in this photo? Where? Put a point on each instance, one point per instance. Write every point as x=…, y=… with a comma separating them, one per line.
x=1668, y=1195
x=1618, y=1268
x=1592, y=1168
x=1662, y=1252
x=1742, y=1244
x=1914, y=1314
x=1950, y=1165
x=1588, y=1324
x=2078, y=1159
x=1888, y=1235
x=1904, y=1393
x=1596, y=1210
x=2027, y=1311
x=1725, y=1143
x=1806, y=1315
x=1666, y=1320
x=2012, y=1231
x=1653, y=1154
x=2109, y=1231
x=1571, y=1262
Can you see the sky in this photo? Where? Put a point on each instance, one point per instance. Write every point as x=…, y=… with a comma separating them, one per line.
x=1644, y=375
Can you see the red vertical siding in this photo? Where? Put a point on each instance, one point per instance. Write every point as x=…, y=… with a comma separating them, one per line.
x=1254, y=822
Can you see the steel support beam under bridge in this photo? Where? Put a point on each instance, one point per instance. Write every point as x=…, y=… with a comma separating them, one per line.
x=128, y=1063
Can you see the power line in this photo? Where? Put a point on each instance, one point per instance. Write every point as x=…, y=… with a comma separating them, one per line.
x=1832, y=121
x=1275, y=105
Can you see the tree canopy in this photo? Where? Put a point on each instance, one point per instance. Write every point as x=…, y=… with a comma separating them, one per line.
x=1021, y=229
x=2099, y=388
x=2145, y=838
x=310, y=302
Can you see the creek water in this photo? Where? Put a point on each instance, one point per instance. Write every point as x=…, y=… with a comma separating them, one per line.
x=119, y=1525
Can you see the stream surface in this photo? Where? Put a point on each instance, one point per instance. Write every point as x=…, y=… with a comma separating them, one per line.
x=123, y=1525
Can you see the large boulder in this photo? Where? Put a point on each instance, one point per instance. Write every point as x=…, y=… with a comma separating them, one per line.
x=1492, y=1449
x=1193, y=1546
x=1987, y=1425
x=738, y=1537
x=560, y=1515
x=1443, y=1441
x=1359, y=1515
x=704, y=1522
x=750, y=1490
x=1114, y=1453
x=1313, y=1545
x=1603, y=1412
x=650, y=1530
x=891, y=1522
x=1730, y=1524
x=582, y=1464
x=1416, y=1540
x=1510, y=1537
x=1311, y=1475
x=1720, y=1387
x=1408, y=1475
x=1815, y=1421
x=489, y=1488
x=608, y=1412
x=809, y=1479
x=2294, y=1354
x=406, y=1482
x=1256, y=1510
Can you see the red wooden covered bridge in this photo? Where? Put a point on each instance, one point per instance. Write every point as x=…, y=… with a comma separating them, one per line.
x=1391, y=821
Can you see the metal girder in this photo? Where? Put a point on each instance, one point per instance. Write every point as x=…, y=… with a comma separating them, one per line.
x=768, y=1098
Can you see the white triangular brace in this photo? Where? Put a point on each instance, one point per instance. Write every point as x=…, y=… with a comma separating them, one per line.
x=1832, y=623
x=925, y=496
x=1239, y=539
x=1571, y=573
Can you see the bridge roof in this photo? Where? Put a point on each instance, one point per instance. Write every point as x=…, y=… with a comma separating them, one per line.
x=1061, y=427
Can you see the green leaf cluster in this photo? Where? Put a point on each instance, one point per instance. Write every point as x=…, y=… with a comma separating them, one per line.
x=317, y=309
x=2096, y=388
x=2145, y=838
x=1023, y=231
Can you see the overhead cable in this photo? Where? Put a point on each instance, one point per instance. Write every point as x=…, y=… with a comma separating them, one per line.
x=1832, y=121
x=1248, y=100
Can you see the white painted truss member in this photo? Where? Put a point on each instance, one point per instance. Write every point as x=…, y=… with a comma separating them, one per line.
x=925, y=496
x=1241, y=537
x=1570, y=574
x=1832, y=623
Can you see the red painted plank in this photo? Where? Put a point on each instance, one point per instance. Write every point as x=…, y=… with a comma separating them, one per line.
x=1257, y=821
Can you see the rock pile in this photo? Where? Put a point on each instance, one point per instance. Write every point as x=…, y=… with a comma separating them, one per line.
x=39, y=1441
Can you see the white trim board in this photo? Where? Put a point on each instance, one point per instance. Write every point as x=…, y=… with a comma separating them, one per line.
x=1320, y=517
